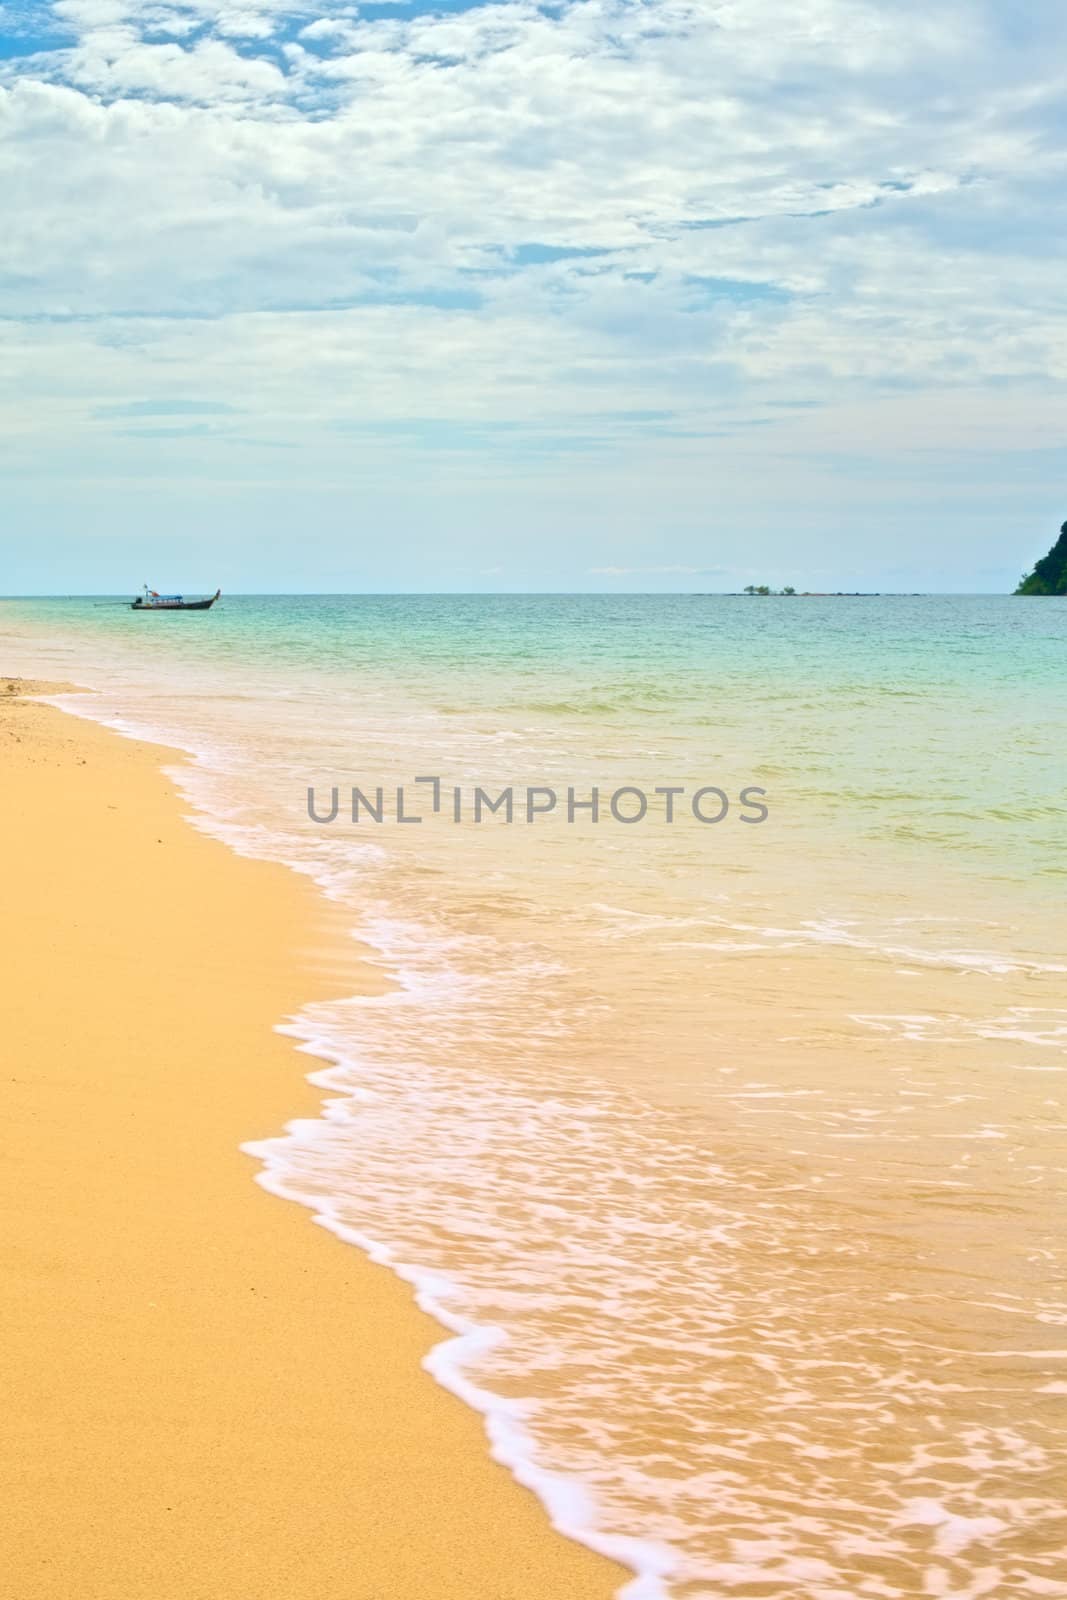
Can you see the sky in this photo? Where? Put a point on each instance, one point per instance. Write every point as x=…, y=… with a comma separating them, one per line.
x=673, y=295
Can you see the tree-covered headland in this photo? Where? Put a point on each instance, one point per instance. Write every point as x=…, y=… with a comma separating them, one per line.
x=1050, y=574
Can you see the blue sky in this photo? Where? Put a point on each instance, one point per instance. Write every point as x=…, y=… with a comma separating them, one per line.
x=606, y=295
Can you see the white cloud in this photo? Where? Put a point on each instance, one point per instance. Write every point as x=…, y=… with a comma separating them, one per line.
x=239, y=24
x=619, y=227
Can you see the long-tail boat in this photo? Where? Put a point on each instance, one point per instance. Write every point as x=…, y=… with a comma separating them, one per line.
x=152, y=600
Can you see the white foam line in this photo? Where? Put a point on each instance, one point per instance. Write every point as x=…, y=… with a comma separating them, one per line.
x=83, y=704
x=570, y=1507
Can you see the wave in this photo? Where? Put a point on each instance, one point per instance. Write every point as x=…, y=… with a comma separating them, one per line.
x=670, y=1323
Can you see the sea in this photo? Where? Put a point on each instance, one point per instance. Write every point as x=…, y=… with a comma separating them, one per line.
x=722, y=1126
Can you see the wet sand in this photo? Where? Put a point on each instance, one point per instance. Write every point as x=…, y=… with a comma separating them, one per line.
x=207, y=1397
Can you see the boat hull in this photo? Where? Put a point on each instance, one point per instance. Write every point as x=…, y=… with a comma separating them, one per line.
x=175, y=605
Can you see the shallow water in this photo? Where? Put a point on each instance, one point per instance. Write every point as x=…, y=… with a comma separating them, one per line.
x=733, y=1152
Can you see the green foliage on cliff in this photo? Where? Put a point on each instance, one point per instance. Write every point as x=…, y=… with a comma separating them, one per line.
x=1050, y=574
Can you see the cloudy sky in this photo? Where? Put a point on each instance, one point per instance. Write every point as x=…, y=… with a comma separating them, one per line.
x=681, y=294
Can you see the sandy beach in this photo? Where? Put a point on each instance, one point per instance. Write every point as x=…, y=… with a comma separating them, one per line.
x=207, y=1397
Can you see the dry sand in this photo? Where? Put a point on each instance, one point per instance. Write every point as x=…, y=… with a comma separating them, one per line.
x=205, y=1396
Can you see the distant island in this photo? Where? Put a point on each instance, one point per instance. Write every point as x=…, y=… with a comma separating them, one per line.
x=1050, y=574
x=813, y=594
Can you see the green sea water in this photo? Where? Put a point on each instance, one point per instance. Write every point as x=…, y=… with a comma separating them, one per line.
x=934, y=723
x=732, y=1153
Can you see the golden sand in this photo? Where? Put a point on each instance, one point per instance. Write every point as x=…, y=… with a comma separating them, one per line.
x=205, y=1396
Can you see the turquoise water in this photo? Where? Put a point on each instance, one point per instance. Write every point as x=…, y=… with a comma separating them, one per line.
x=928, y=723
x=732, y=1154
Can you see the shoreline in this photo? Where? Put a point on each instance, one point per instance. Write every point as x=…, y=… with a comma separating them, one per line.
x=207, y=1396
